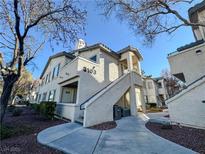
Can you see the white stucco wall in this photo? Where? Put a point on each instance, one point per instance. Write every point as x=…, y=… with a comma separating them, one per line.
x=188, y=62
x=53, y=84
x=66, y=110
x=103, y=103
x=187, y=108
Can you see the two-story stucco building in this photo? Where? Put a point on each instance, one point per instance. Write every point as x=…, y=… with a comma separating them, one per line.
x=86, y=83
x=155, y=90
x=188, y=64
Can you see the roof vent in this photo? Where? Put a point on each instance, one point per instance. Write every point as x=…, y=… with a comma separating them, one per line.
x=80, y=44
x=198, y=52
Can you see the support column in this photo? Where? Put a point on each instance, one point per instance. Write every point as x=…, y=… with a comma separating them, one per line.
x=139, y=67
x=129, y=61
x=133, y=100
x=143, y=101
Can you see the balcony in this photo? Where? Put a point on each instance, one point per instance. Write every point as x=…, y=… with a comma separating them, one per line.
x=137, y=78
x=73, y=69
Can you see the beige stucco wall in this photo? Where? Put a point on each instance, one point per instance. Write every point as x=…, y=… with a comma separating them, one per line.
x=107, y=71
x=104, y=106
x=200, y=31
x=187, y=107
x=104, y=101
x=188, y=62
x=53, y=84
x=150, y=93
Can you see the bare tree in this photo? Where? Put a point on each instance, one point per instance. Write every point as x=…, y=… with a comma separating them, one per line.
x=22, y=86
x=26, y=23
x=173, y=85
x=149, y=17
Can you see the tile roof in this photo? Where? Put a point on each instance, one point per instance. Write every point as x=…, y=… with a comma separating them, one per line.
x=187, y=46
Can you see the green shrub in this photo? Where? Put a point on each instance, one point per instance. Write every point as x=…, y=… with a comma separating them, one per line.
x=36, y=107
x=47, y=109
x=17, y=112
x=5, y=132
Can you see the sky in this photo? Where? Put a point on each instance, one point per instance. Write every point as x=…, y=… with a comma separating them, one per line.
x=117, y=35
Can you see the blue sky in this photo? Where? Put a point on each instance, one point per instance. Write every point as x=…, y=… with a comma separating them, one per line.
x=117, y=35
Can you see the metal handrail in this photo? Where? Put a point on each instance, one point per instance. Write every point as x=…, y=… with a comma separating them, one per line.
x=187, y=86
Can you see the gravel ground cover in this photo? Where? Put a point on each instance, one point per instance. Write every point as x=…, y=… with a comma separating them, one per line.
x=188, y=137
x=26, y=127
x=105, y=125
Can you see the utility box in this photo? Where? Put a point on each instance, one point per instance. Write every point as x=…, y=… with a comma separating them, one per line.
x=117, y=112
x=126, y=112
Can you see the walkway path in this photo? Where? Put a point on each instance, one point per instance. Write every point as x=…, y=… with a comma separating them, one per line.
x=129, y=137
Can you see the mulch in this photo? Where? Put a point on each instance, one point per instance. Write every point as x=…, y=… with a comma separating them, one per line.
x=188, y=137
x=104, y=126
x=26, y=142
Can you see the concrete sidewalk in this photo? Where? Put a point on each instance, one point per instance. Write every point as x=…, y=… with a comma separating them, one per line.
x=129, y=137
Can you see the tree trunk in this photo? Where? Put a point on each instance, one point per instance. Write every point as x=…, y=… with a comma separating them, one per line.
x=6, y=93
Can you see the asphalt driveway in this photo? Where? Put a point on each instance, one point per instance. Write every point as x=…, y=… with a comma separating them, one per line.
x=129, y=137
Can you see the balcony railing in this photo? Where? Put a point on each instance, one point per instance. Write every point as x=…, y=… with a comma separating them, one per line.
x=77, y=65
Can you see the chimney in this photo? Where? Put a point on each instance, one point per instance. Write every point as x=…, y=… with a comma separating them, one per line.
x=80, y=44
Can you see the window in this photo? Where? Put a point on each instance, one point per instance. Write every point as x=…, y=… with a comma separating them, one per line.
x=94, y=58
x=36, y=99
x=159, y=84
x=46, y=79
x=51, y=96
x=44, y=96
x=39, y=97
x=149, y=84
x=54, y=70
x=58, y=69
x=49, y=77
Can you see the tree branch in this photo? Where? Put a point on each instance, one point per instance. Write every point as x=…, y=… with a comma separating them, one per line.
x=39, y=19
x=17, y=19
x=28, y=59
x=174, y=12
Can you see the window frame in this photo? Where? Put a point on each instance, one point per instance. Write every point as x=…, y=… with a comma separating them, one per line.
x=91, y=58
x=54, y=93
x=44, y=96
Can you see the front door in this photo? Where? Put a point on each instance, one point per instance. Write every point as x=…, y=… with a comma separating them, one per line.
x=68, y=95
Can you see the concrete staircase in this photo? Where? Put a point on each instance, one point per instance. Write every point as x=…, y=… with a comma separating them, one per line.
x=100, y=107
x=188, y=106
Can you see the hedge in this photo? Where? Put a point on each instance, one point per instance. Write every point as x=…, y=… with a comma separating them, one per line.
x=46, y=108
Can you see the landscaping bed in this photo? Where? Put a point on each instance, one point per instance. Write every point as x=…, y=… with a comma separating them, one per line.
x=188, y=137
x=19, y=133
x=104, y=126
